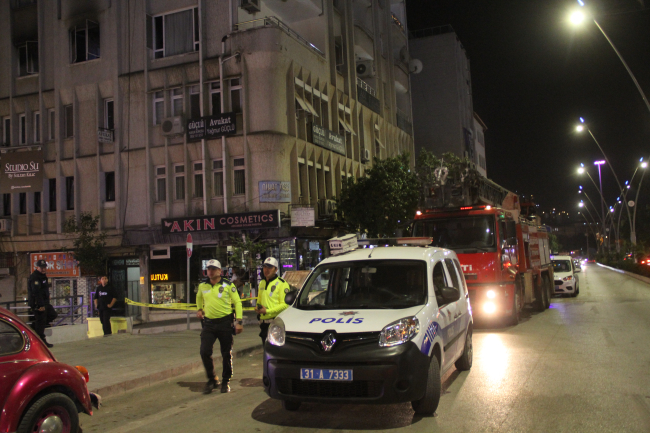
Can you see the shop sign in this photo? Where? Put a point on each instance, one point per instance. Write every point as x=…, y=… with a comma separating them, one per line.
x=274, y=191
x=269, y=219
x=159, y=277
x=104, y=135
x=58, y=264
x=21, y=171
x=302, y=217
x=328, y=139
x=211, y=127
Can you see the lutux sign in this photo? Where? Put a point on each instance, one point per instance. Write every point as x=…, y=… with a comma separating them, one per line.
x=211, y=127
x=22, y=171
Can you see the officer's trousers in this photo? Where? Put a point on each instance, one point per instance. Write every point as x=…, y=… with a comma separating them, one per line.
x=105, y=318
x=213, y=330
x=40, y=322
x=264, y=331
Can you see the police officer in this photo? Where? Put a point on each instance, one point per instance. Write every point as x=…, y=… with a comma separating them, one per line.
x=38, y=290
x=270, y=301
x=104, y=300
x=215, y=299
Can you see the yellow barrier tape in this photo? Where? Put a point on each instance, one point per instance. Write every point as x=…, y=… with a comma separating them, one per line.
x=176, y=305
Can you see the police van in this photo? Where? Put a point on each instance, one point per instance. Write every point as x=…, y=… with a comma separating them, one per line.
x=373, y=325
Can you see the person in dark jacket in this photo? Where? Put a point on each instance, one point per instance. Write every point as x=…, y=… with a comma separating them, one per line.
x=38, y=290
x=105, y=298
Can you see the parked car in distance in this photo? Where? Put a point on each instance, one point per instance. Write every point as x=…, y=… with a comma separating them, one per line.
x=565, y=274
x=37, y=393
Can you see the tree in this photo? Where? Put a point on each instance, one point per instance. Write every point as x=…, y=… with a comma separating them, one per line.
x=245, y=251
x=554, y=244
x=89, y=243
x=382, y=201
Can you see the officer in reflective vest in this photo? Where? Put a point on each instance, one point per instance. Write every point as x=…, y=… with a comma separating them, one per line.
x=215, y=300
x=270, y=301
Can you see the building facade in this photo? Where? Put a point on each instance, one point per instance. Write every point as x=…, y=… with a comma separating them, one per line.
x=149, y=110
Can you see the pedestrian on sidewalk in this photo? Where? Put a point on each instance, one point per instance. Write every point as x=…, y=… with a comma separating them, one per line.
x=104, y=300
x=38, y=292
x=215, y=300
x=270, y=301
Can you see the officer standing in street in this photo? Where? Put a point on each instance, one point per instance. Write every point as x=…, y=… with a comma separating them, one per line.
x=104, y=300
x=214, y=300
x=270, y=301
x=38, y=291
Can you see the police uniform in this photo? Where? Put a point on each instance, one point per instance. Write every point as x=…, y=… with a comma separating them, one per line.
x=271, y=296
x=217, y=301
x=104, y=296
x=39, y=296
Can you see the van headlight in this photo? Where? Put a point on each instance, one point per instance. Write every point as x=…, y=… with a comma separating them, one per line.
x=399, y=332
x=277, y=334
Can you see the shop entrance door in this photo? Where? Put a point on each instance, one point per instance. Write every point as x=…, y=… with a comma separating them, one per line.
x=122, y=271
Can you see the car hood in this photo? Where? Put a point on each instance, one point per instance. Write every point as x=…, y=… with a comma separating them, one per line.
x=563, y=274
x=343, y=321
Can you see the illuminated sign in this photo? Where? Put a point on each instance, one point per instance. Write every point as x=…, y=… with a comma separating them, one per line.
x=159, y=277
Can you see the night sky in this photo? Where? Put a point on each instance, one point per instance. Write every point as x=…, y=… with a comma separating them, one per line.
x=533, y=76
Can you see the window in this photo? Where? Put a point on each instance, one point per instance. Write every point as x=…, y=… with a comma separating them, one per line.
x=37, y=202
x=239, y=168
x=6, y=204
x=109, y=116
x=11, y=341
x=215, y=97
x=109, y=184
x=195, y=101
x=175, y=33
x=177, y=102
x=179, y=173
x=69, y=121
x=198, y=179
x=439, y=281
x=84, y=42
x=6, y=131
x=52, y=194
x=37, y=127
x=235, y=95
x=217, y=174
x=455, y=278
x=22, y=131
x=28, y=59
x=301, y=179
x=51, y=119
x=22, y=203
x=339, y=56
x=161, y=184
x=69, y=193
x=158, y=107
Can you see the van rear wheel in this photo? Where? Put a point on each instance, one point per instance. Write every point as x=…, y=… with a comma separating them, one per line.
x=428, y=404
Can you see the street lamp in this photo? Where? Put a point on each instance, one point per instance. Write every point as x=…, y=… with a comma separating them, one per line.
x=644, y=166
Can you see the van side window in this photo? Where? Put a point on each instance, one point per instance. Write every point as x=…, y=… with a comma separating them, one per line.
x=459, y=269
x=455, y=279
x=439, y=281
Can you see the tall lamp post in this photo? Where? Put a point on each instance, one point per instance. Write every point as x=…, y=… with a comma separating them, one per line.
x=644, y=166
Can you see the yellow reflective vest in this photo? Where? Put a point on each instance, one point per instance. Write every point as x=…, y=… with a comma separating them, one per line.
x=217, y=301
x=271, y=297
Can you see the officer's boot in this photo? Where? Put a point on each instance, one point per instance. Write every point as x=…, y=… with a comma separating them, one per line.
x=225, y=387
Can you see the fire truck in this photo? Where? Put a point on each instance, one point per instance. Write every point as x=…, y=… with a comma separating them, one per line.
x=502, y=247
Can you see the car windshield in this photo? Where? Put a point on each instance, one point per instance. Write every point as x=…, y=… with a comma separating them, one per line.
x=368, y=284
x=561, y=266
x=458, y=233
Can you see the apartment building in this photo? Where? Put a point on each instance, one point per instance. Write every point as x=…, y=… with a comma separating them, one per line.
x=163, y=114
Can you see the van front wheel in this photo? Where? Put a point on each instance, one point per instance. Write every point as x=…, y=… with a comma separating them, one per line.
x=428, y=404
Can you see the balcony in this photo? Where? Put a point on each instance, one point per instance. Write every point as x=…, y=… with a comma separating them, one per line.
x=404, y=122
x=398, y=24
x=275, y=22
x=19, y=4
x=368, y=96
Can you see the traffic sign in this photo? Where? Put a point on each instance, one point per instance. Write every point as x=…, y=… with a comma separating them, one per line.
x=189, y=245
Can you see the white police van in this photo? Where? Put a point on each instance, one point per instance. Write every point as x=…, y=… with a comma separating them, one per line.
x=378, y=325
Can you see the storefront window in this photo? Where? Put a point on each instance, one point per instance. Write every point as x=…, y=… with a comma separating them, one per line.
x=167, y=293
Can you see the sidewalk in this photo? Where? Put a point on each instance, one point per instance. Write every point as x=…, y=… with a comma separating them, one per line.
x=123, y=362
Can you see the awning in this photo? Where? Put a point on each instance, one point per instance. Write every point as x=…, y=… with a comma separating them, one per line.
x=311, y=108
x=346, y=126
x=302, y=104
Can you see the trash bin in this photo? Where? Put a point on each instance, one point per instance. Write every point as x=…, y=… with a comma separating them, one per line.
x=94, y=327
x=119, y=325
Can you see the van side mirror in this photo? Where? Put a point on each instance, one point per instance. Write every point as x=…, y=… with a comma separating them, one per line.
x=578, y=269
x=290, y=297
x=450, y=294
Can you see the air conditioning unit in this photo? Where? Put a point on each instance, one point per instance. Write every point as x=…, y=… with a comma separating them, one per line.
x=5, y=225
x=173, y=126
x=366, y=68
x=326, y=207
x=251, y=6
x=365, y=156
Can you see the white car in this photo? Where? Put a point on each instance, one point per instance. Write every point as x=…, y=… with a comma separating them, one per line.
x=566, y=278
x=378, y=325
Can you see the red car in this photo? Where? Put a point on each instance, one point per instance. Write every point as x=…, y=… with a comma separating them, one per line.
x=37, y=393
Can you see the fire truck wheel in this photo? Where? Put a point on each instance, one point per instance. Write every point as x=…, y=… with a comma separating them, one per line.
x=541, y=297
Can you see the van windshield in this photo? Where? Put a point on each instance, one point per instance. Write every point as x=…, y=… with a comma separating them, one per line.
x=561, y=266
x=474, y=232
x=367, y=284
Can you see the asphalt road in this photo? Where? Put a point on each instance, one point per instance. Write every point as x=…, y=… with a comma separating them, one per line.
x=583, y=365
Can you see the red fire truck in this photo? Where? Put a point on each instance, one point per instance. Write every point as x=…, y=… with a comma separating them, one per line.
x=503, y=249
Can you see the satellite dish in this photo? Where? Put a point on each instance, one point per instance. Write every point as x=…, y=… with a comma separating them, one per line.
x=630, y=203
x=415, y=66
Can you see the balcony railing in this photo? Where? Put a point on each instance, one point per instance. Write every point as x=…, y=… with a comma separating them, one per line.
x=365, y=86
x=431, y=31
x=18, y=4
x=275, y=22
x=398, y=23
x=404, y=121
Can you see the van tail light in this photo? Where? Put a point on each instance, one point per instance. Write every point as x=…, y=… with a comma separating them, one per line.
x=84, y=372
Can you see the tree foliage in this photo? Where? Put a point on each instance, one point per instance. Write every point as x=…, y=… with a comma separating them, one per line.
x=426, y=163
x=89, y=244
x=382, y=201
x=246, y=250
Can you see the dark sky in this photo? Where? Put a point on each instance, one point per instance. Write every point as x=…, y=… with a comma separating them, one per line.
x=533, y=76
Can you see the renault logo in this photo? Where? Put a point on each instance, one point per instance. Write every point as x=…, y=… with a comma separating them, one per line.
x=328, y=341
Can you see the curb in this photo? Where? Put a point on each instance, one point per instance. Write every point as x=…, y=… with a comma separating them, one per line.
x=159, y=376
x=629, y=274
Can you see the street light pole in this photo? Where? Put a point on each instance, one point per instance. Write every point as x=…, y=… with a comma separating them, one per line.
x=602, y=200
x=636, y=205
